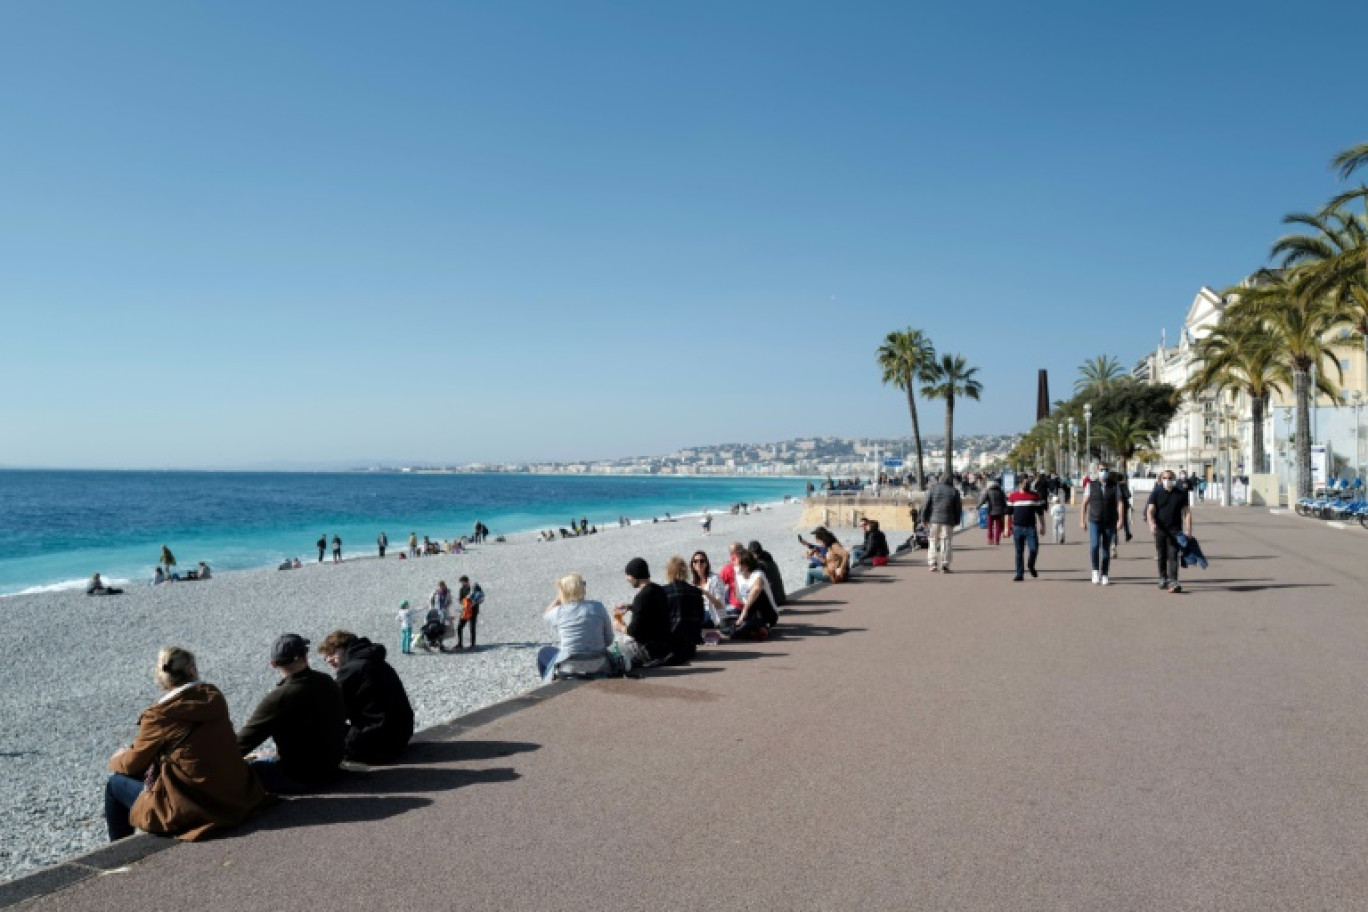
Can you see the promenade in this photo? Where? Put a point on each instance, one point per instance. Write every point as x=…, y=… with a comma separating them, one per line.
x=908, y=741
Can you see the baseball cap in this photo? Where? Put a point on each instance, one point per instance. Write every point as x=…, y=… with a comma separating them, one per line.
x=289, y=647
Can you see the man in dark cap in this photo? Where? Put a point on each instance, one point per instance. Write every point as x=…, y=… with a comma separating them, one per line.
x=648, y=628
x=305, y=716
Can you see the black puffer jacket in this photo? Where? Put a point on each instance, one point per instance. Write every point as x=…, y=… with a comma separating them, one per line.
x=995, y=499
x=378, y=707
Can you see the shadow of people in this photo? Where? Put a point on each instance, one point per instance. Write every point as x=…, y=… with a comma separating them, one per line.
x=456, y=751
x=328, y=810
x=803, y=631
x=395, y=780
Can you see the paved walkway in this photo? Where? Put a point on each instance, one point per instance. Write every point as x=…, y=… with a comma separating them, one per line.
x=910, y=741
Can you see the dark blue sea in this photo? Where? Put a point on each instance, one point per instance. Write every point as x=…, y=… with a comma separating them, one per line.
x=58, y=527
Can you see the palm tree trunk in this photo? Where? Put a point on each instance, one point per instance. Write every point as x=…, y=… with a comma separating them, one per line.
x=1257, y=407
x=1301, y=382
x=916, y=435
x=949, y=437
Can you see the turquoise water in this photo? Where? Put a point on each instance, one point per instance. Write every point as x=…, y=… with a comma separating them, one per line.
x=58, y=527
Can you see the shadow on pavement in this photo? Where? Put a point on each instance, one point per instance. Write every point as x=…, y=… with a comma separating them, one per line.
x=679, y=671
x=394, y=780
x=426, y=752
x=804, y=631
x=722, y=654
x=318, y=810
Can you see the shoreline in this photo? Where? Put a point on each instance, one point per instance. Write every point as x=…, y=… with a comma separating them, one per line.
x=66, y=727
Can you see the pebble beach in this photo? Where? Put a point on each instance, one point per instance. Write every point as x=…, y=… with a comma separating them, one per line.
x=79, y=669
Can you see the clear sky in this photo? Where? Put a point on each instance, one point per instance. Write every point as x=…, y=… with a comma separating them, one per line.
x=252, y=232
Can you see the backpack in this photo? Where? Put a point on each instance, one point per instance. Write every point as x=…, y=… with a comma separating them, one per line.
x=477, y=596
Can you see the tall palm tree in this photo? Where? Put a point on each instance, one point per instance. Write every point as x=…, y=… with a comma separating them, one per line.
x=905, y=358
x=1331, y=260
x=1124, y=435
x=1239, y=357
x=1097, y=374
x=948, y=379
x=1296, y=323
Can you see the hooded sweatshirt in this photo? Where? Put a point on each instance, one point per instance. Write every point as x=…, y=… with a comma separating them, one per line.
x=378, y=708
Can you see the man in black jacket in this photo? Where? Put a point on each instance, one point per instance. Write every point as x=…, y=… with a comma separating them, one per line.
x=649, y=627
x=378, y=708
x=305, y=716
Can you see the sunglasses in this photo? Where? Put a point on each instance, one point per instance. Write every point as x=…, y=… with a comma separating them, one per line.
x=699, y=560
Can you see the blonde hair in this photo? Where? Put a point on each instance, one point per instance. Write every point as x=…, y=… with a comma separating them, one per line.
x=571, y=587
x=676, y=570
x=175, y=666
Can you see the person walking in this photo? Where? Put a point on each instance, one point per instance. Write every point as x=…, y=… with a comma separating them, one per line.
x=322, y=546
x=997, y=510
x=382, y=543
x=1100, y=517
x=1169, y=514
x=1025, y=504
x=943, y=510
x=337, y=549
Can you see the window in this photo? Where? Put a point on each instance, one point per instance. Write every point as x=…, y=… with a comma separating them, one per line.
x=1344, y=364
x=1206, y=441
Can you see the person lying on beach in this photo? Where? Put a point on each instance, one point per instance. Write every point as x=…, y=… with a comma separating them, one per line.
x=97, y=587
x=378, y=709
x=584, y=629
x=305, y=716
x=182, y=776
x=644, y=637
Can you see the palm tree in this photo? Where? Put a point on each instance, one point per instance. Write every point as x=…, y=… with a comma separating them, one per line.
x=1097, y=374
x=1332, y=260
x=1295, y=322
x=1124, y=435
x=904, y=359
x=1238, y=357
x=948, y=379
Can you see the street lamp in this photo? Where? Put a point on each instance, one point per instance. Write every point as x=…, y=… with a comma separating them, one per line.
x=1073, y=448
x=1059, y=453
x=1357, y=397
x=1229, y=417
x=1087, y=436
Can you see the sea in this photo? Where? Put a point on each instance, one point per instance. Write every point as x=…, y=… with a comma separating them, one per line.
x=59, y=527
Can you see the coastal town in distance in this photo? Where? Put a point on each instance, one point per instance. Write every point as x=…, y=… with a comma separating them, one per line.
x=802, y=456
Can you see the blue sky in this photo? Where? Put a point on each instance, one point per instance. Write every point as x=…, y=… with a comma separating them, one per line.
x=244, y=233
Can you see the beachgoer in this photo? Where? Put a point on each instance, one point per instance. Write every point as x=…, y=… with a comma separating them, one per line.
x=1100, y=517
x=202, y=572
x=97, y=587
x=711, y=585
x=584, y=629
x=1025, y=504
x=337, y=549
x=168, y=560
x=1169, y=514
x=382, y=542
x=158, y=577
x=322, y=546
x=706, y=523
x=943, y=511
x=297, y=563
x=439, y=602
x=765, y=561
x=758, y=613
x=305, y=716
x=470, y=599
x=182, y=776
x=406, y=616
x=835, y=566
x=686, y=611
x=378, y=709
x=645, y=637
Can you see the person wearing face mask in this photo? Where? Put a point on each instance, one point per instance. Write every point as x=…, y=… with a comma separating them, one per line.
x=1169, y=514
x=1100, y=517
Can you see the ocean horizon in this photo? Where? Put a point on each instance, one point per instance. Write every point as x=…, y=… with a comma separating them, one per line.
x=58, y=526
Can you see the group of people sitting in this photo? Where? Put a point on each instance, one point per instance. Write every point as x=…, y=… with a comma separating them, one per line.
x=663, y=625
x=160, y=575
x=188, y=773
x=830, y=562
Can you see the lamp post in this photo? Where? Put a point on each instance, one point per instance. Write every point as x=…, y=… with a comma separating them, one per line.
x=1059, y=452
x=1357, y=397
x=1073, y=448
x=1229, y=417
x=1087, y=435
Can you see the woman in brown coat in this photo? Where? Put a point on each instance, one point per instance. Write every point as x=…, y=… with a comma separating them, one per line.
x=199, y=781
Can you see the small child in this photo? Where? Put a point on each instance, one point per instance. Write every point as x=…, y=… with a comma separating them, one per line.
x=1057, y=514
x=405, y=628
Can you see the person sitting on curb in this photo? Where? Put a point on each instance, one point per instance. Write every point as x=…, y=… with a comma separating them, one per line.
x=874, y=548
x=835, y=567
x=305, y=716
x=758, y=613
x=686, y=611
x=765, y=561
x=378, y=709
x=584, y=628
x=182, y=776
x=645, y=636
